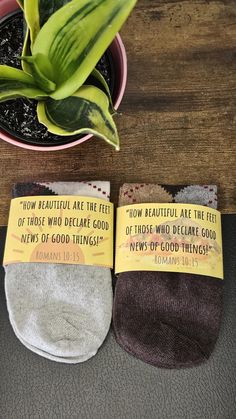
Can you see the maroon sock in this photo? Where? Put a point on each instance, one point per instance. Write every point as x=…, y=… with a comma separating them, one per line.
x=166, y=319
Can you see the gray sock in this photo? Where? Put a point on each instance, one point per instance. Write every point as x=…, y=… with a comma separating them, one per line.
x=62, y=312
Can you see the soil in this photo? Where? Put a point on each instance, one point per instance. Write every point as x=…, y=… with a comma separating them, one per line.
x=18, y=116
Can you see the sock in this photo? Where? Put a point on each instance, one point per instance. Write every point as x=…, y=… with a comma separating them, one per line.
x=62, y=312
x=67, y=360
x=166, y=319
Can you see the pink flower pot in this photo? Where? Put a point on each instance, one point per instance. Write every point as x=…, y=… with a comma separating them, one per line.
x=120, y=64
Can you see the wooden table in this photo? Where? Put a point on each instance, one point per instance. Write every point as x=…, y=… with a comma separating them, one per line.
x=178, y=122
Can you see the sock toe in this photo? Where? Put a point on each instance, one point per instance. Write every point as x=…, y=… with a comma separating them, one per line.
x=63, y=309
x=166, y=321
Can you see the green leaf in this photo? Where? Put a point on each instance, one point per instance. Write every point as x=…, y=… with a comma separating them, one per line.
x=48, y=7
x=15, y=83
x=31, y=13
x=86, y=112
x=37, y=13
x=26, y=51
x=40, y=66
x=97, y=78
x=76, y=36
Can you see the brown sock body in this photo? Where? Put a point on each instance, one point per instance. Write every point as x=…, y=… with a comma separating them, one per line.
x=167, y=319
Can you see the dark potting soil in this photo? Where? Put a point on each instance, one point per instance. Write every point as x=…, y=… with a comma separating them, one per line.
x=18, y=116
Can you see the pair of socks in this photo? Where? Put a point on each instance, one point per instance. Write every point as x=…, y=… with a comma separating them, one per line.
x=61, y=312
x=167, y=319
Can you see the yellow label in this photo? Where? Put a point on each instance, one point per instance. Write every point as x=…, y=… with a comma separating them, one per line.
x=60, y=229
x=170, y=238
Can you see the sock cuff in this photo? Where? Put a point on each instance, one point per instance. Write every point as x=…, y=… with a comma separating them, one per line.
x=97, y=189
x=131, y=193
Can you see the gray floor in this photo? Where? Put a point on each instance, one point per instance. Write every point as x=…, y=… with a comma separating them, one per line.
x=114, y=385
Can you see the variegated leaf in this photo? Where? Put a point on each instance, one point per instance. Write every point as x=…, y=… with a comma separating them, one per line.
x=86, y=112
x=76, y=36
x=31, y=13
x=48, y=7
x=37, y=13
x=26, y=51
x=39, y=67
x=15, y=83
x=102, y=84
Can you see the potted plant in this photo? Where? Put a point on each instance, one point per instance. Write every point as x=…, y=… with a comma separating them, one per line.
x=63, y=42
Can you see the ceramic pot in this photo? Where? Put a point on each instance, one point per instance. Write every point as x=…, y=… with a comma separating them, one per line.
x=119, y=64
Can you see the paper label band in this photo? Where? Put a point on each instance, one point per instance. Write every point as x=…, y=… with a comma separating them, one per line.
x=170, y=238
x=60, y=229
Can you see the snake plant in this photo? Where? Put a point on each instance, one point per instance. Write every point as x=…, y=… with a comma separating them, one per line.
x=63, y=42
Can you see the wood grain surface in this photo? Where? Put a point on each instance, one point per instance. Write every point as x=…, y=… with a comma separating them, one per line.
x=178, y=122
